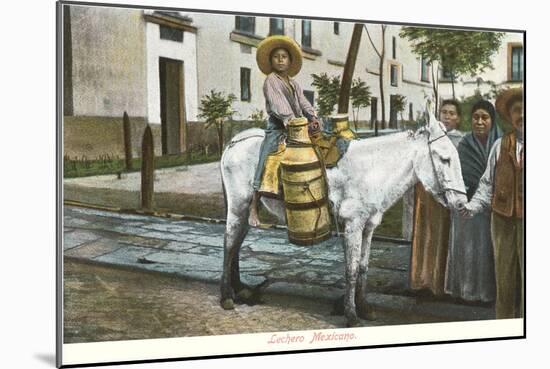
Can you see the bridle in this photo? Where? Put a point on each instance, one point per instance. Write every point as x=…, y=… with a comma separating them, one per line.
x=443, y=189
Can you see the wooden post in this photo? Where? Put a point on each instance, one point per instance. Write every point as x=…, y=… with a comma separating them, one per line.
x=127, y=129
x=147, y=170
x=347, y=76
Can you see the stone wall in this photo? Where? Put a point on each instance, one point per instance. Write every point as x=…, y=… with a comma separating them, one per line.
x=95, y=137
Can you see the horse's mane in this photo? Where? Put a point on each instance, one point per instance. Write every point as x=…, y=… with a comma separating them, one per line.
x=381, y=141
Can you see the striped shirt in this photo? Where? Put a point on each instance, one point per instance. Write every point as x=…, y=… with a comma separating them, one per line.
x=286, y=101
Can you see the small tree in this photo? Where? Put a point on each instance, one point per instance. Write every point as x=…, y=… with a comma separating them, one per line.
x=360, y=98
x=459, y=52
x=399, y=104
x=216, y=109
x=257, y=117
x=328, y=91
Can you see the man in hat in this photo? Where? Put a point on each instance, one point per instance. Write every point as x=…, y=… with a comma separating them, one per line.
x=501, y=187
x=280, y=58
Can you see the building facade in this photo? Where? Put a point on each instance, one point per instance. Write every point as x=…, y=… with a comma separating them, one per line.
x=157, y=66
x=507, y=72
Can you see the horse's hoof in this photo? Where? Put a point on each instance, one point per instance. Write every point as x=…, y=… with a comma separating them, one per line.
x=338, y=306
x=227, y=304
x=245, y=296
x=366, y=312
x=353, y=321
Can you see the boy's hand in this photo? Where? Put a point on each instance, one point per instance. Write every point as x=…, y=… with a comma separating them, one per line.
x=314, y=127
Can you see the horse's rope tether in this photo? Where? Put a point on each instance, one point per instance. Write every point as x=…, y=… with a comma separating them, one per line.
x=233, y=142
x=441, y=187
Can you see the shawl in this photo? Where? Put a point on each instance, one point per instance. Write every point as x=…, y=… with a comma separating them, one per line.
x=473, y=155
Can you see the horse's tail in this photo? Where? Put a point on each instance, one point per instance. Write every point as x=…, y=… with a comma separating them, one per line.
x=241, y=136
x=224, y=193
x=223, y=183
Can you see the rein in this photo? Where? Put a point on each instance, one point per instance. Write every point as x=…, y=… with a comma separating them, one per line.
x=232, y=143
x=443, y=189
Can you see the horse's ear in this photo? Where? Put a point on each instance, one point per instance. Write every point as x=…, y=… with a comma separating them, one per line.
x=429, y=116
x=432, y=123
x=431, y=120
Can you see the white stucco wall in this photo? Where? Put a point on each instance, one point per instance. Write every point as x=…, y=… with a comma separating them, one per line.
x=116, y=63
x=187, y=53
x=108, y=53
x=220, y=60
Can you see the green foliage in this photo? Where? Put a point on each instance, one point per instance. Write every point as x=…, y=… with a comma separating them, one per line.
x=257, y=117
x=360, y=94
x=392, y=222
x=216, y=109
x=460, y=52
x=360, y=98
x=328, y=91
x=82, y=167
x=399, y=103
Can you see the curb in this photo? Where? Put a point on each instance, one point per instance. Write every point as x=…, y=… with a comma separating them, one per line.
x=176, y=216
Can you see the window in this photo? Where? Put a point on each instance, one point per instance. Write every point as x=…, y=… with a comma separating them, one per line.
x=393, y=111
x=393, y=75
x=276, y=26
x=310, y=96
x=245, y=84
x=172, y=34
x=336, y=28
x=516, y=66
x=446, y=73
x=424, y=76
x=393, y=48
x=306, y=33
x=245, y=24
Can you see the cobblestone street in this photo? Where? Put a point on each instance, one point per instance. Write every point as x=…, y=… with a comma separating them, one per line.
x=131, y=276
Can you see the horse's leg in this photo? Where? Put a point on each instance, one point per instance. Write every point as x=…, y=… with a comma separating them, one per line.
x=235, y=232
x=244, y=293
x=363, y=309
x=352, y=245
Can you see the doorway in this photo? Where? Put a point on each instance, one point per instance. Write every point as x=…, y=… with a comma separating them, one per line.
x=172, y=106
x=393, y=111
x=373, y=111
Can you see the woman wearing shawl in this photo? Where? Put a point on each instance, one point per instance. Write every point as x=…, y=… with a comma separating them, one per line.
x=432, y=222
x=470, y=264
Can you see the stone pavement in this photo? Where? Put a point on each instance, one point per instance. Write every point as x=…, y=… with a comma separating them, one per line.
x=195, y=250
x=187, y=189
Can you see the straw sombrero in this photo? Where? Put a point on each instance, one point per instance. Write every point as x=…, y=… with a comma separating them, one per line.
x=266, y=47
x=503, y=101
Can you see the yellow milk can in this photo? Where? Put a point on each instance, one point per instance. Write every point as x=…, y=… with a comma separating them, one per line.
x=340, y=127
x=304, y=188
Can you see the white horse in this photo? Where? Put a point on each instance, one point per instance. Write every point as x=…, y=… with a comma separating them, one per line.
x=371, y=176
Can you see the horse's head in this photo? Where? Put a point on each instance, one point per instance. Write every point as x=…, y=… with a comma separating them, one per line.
x=438, y=166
